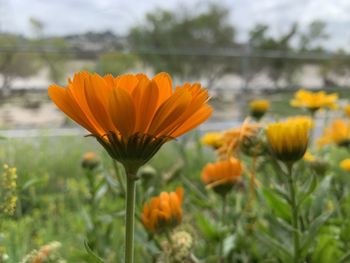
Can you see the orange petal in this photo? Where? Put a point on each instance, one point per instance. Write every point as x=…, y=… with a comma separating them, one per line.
x=164, y=84
x=145, y=97
x=70, y=107
x=122, y=111
x=169, y=112
x=193, y=121
x=97, y=95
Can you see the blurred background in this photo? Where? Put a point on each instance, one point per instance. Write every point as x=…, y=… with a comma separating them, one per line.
x=239, y=50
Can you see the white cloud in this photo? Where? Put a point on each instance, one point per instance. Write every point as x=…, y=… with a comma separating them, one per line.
x=70, y=16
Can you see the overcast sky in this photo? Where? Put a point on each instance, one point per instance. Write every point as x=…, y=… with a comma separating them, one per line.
x=76, y=16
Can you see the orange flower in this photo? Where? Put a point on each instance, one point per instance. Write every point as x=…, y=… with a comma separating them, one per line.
x=222, y=175
x=132, y=116
x=163, y=212
x=232, y=139
x=338, y=133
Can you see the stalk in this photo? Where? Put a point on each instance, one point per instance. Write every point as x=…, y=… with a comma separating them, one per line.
x=295, y=214
x=130, y=217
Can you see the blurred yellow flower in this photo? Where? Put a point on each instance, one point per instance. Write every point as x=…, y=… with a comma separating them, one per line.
x=345, y=165
x=309, y=157
x=314, y=101
x=213, y=139
x=258, y=108
x=347, y=110
x=303, y=118
x=163, y=212
x=338, y=133
x=222, y=175
x=288, y=140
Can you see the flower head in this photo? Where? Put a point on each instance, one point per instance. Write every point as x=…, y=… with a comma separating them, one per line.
x=345, y=165
x=347, y=110
x=213, y=139
x=163, y=212
x=258, y=108
x=132, y=116
x=288, y=140
x=234, y=138
x=222, y=175
x=338, y=133
x=90, y=160
x=314, y=101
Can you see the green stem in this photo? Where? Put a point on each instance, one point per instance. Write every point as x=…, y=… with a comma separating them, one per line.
x=130, y=218
x=119, y=177
x=295, y=214
x=223, y=220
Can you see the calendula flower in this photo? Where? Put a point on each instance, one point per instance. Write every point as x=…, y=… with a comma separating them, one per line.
x=258, y=108
x=132, y=116
x=347, y=110
x=302, y=118
x=288, y=140
x=163, y=212
x=90, y=160
x=232, y=139
x=345, y=165
x=213, y=139
x=338, y=133
x=314, y=101
x=222, y=175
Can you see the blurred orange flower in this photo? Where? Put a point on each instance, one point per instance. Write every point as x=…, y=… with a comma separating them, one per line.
x=132, y=116
x=163, y=212
x=233, y=138
x=314, y=101
x=338, y=133
x=222, y=175
x=347, y=110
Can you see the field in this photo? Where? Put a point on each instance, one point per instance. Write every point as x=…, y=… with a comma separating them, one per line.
x=66, y=206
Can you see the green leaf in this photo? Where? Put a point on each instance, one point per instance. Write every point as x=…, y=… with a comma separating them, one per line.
x=276, y=245
x=345, y=258
x=229, y=244
x=277, y=204
x=308, y=188
x=93, y=258
x=312, y=232
x=209, y=229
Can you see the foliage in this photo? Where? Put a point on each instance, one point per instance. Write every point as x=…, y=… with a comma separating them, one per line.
x=180, y=43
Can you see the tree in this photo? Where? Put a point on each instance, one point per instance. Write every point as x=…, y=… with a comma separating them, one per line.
x=14, y=62
x=277, y=67
x=181, y=44
x=53, y=53
x=115, y=62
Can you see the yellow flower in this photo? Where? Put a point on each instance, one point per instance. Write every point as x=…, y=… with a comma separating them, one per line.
x=302, y=118
x=132, y=116
x=309, y=157
x=338, y=133
x=345, y=165
x=258, y=108
x=314, y=101
x=288, y=140
x=163, y=212
x=213, y=139
x=347, y=110
x=222, y=175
